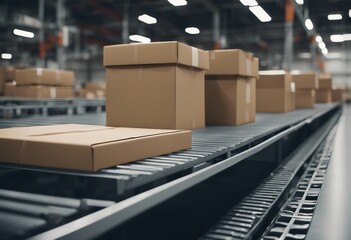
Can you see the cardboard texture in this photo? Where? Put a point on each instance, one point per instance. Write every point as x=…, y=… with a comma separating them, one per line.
x=167, y=97
x=325, y=81
x=305, y=98
x=86, y=147
x=155, y=53
x=233, y=62
x=167, y=94
x=42, y=76
x=308, y=80
x=275, y=92
x=323, y=96
x=338, y=95
x=43, y=92
x=10, y=88
x=236, y=97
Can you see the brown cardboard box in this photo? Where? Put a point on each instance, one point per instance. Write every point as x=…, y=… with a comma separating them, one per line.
x=2, y=82
x=338, y=95
x=308, y=80
x=275, y=92
x=87, y=147
x=236, y=97
x=323, y=96
x=42, y=76
x=43, y=92
x=83, y=93
x=10, y=88
x=305, y=98
x=233, y=62
x=325, y=81
x=10, y=74
x=162, y=87
x=97, y=88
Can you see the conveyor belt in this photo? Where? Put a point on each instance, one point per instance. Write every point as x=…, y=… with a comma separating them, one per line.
x=243, y=221
x=210, y=145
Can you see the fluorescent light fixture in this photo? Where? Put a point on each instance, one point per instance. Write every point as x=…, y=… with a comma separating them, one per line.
x=23, y=33
x=304, y=55
x=300, y=2
x=308, y=24
x=272, y=72
x=260, y=13
x=325, y=51
x=178, y=3
x=333, y=17
x=336, y=38
x=139, y=38
x=295, y=72
x=6, y=55
x=249, y=3
x=147, y=19
x=335, y=55
x=192, y=30
x=319, y=39
x=347, y=36
x=322, y=45
x=350, y=13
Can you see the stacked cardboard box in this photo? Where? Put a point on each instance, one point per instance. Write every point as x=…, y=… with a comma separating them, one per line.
x=338, y=94
x=324, y=93
x=155, y=85
x=275, y=92
x=230, y=87
x=43, y=83
x=7, y=77
x=306, y=85
x=93, y=90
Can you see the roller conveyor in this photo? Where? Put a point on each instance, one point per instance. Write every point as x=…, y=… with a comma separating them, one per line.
x=147, y=183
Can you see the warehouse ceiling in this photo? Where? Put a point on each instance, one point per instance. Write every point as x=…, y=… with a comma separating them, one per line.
x=100, y=22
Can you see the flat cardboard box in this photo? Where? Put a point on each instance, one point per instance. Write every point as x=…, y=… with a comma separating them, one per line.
x=43, y=92
x=323, y=95
x=86, y=147
x=275, y=92
x=155, y=53
x=161, y=88
x=307, y=80
x=42, y=76
x=10, y=89
x=338, y=95
x=305, y=98
x=230, y=100
x=325, y=81
x=234, y=62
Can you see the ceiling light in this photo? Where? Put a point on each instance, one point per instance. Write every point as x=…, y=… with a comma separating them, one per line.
x=319, y=39
x=178, y=3
x=304, y=55
x=350, y=13
x=300, y=2
x=139, y=38
x=147, y=19
x=334, y=17
x=249, y=3
x=325, y=51
x=260, y=13
x=6, y=55
x=23, y=33
x=321, y=45
x=192, y=30
x=335, y=55
x=295, y=72
x=308, y=24
x=347, y=36
x=336, y=38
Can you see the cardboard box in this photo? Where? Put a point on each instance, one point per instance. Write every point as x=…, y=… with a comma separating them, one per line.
x=10, y=89
x=156, y=85
x=275, y=92
x=43, y=92
x=233, y=62
x=338, y=95
x=230, y=100
x=323, y=96
x=2, y=82
x=325, y=81
x=87, y=147
x=10, y=74
x=308, y=80
x=96, y=88
x=305, y=98
x=83, y=93
x=42, y=76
